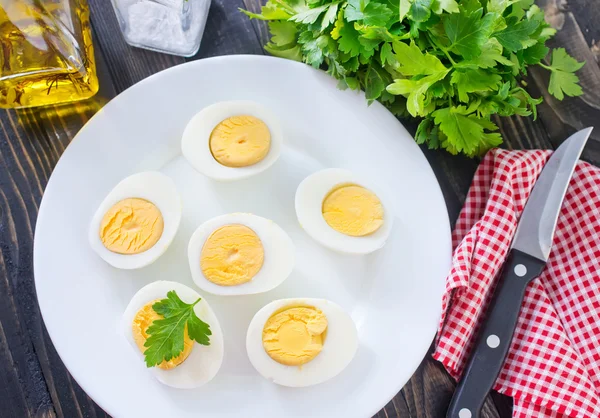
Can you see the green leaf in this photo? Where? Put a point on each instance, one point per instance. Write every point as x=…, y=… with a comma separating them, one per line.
x=467, y=32
x=386, y=56
x=309, y=16
x=374, y=83
x=562, y=80
x=315, y=49
x=519, y=7
x=499, y=6
x=415, y=90
x=293, y=53
x=199, y=330
x=514, y=36
x=270, y=11
x=526, y=99
x=424, y=130
x=375, y=33
x=329, y=16
x=465, y=133
x=413, y=62
x=166, y=335
x=347, y=38
x=534, y=54
x=404, y=8
x=282, y=33
x=369, y=12
x=420, y=10
x=564, y=62
x=469, y=6
x=491, y=55
x=471, y=81
x=448, y=6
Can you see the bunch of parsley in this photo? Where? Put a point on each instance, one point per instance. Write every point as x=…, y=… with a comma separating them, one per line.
x=453, y=64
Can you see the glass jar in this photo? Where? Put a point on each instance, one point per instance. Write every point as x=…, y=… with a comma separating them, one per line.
x=168, y=26
x=47, y=56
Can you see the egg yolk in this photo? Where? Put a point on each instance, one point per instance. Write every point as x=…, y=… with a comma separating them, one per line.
x=232, y=255
x=294, y=336
x=353, y=210
x=142, y=320
x=131, y=226
x=240, y=141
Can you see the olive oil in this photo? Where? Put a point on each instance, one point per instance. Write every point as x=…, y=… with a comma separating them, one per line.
x=46, y=53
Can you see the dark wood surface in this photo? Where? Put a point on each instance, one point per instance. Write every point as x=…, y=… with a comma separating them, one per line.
x=34, y=381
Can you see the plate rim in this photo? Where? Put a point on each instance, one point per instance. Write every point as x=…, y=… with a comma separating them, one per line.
x=44, y=307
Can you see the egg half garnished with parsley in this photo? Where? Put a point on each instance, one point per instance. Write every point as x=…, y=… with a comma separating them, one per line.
x=343, y=212
x=175, y=333
x=137, y=221
x=240, y=253
x=301, y=342
x=232, y=140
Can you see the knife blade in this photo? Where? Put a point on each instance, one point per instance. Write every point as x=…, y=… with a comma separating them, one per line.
x=527, y=258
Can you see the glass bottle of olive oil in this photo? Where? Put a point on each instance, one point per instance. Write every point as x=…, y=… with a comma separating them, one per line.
x=46, y=53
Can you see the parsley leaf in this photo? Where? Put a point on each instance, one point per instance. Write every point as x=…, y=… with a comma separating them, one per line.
x=413, y=61
x=468, y=32
x=471, y=81
x=309, y=16
x=404, y=8
x=374, y=82
x=514, y=36
x=166, y=336
x=414, y=90
x=369, y=12
x=465, y=132
x=452, y=63
x=329, y=16
x=420, y=10
x=450, y=6
x=491, y=55
x=562, y=79
x=270, y=11
x=282, y=33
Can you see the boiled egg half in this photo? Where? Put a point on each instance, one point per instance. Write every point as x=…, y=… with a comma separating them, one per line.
x=232, y=140
x=197, y=364
x=137, y=221
x=239, y=254
x=301, y=342
x=342, y=212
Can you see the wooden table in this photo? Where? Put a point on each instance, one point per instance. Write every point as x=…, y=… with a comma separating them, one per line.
x=34, y=381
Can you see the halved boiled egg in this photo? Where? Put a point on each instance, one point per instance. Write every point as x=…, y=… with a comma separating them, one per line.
x=137, y=221
x=301, y=342
x=232, y=140
x=342, y=212
x=197, y=364
x=239, y=254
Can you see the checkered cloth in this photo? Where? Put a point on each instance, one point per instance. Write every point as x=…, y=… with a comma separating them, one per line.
x=553, y=364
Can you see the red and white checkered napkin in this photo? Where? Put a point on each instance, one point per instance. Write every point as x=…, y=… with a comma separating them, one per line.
x=553, y=364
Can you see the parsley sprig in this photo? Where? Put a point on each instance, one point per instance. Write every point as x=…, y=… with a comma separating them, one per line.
x=166, y=335
x=452, y=64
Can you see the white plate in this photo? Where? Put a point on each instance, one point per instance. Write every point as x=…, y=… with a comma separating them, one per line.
x=393, y=294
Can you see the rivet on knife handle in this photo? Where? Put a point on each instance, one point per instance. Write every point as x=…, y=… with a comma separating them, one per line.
x=495, y=336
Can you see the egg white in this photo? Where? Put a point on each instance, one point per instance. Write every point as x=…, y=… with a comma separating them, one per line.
x=279, y=260
x=154, y=187
x=341, y=343
x=195, y=141
x=309, y=209
x=204, y=362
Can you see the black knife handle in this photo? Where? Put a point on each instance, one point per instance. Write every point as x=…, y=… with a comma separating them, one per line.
x=495, y=335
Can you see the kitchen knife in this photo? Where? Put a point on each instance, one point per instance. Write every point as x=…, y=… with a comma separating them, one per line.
x=527, y=257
